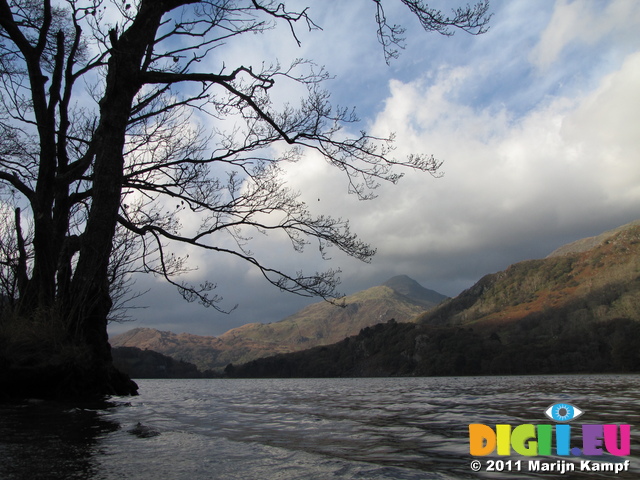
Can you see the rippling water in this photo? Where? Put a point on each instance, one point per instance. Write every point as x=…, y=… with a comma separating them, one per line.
x=383, y=428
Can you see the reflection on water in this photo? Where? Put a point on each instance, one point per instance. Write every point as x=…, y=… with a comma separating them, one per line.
x=389, y=428
x=49, y=440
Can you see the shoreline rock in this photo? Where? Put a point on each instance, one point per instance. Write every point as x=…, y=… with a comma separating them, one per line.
x=59, y=382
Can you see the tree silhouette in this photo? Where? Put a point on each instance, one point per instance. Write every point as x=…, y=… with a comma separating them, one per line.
x=115, y=125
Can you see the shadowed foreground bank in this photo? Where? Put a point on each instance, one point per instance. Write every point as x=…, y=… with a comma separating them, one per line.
x=67, y=381
x=43, y=360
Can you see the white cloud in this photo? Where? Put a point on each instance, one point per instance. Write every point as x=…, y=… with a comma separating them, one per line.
x=587, y=22
x=507, y=180
x=604, y=133
x=536, y=154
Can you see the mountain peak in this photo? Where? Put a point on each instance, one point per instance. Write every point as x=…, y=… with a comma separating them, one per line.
x=402, y=283
x=321, y=323
x=408, y=287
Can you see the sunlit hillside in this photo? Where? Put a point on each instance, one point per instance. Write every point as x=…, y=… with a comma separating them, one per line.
x=321, y=323
x=576, y=311
x=573, y=285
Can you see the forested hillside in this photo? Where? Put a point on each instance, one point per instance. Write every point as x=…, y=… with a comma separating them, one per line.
x=321, y=323
x=575, y=311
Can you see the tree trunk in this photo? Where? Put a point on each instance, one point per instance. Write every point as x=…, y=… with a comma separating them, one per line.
x=76, y=308
x=90, y=298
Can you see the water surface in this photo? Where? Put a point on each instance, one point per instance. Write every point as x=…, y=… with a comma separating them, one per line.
x=285, y=429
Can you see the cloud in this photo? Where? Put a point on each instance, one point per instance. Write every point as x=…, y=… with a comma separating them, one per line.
x=585, y=22
x=513, y=184
x=603, y=133
x=536, y=122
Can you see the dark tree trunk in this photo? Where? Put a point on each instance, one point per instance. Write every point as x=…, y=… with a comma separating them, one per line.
x=81, y=303
x=89, y=294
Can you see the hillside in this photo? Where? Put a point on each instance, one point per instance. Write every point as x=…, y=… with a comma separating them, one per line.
x=149, y=364
x=182, y=347
x=322, y=323
x=601, y=283
x=575, y=311
x=588, y=243
x=408, y=287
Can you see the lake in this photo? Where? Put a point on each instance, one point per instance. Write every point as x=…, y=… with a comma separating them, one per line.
x=285, y=429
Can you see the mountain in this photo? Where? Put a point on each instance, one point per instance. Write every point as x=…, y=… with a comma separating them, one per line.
x=576, y=311
x=149, y=364
x=588, y=243
x=322, y=323
x=410, y=288
x=181, y=347
x=572, y=285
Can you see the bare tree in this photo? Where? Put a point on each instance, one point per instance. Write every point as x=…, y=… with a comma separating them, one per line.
x=114, y=129
x=14, y=256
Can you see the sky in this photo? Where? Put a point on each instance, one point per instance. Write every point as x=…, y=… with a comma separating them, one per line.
x=537, y=123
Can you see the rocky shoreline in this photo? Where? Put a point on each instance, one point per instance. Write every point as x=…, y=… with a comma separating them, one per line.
x=59, y=382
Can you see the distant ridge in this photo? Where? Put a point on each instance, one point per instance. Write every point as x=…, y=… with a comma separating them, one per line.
x=577, y=311
x=400, y=298
x=409, y=287
x=588, y=243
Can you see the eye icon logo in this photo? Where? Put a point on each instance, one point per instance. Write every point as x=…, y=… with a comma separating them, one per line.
x=563, y=412
x=531, y=440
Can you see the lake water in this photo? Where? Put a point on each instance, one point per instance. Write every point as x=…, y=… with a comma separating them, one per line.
x=381, y=428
